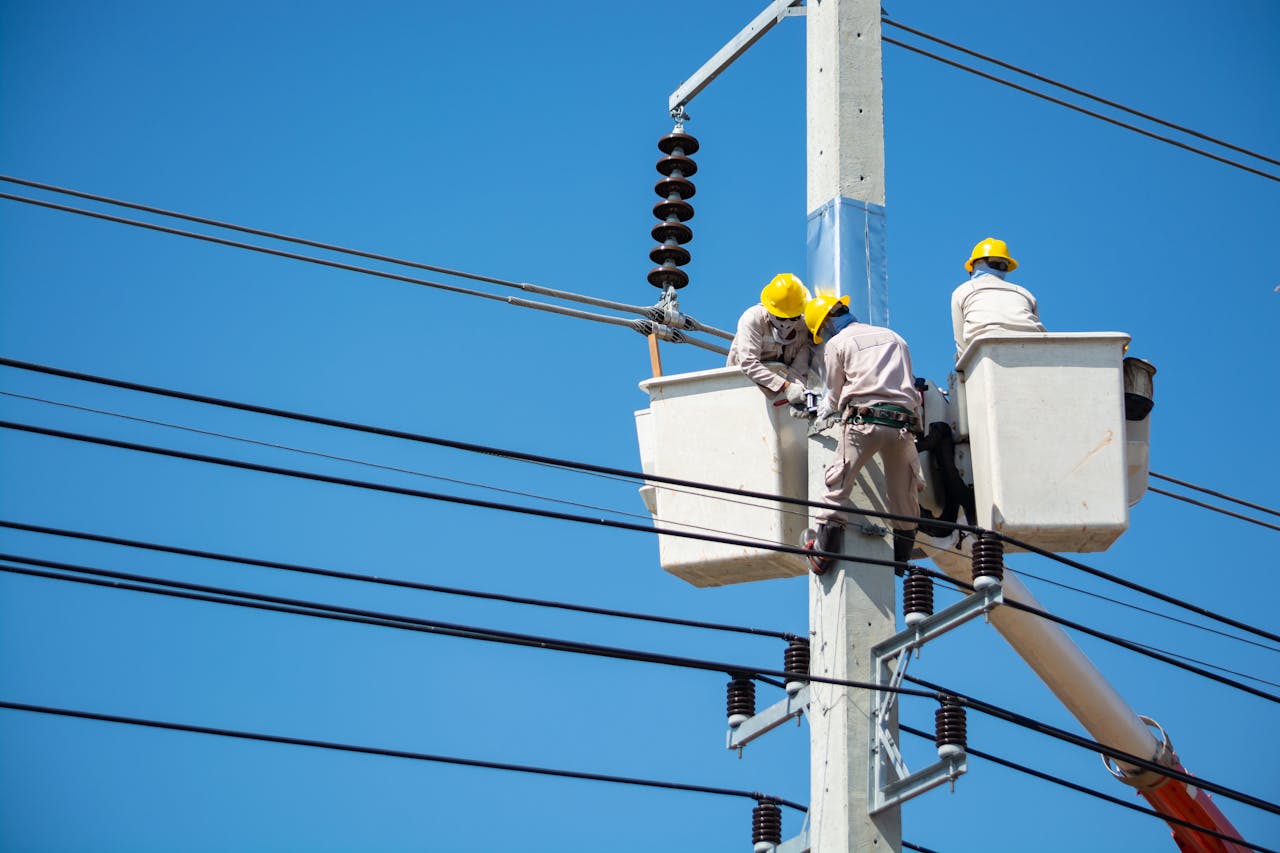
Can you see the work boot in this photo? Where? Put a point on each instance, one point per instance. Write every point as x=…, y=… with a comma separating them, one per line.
x=830, y=537
x=904, y=542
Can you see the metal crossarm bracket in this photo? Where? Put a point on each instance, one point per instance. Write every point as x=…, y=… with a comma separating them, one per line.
x=891, y=782
x=724, y=57
x=769, y=719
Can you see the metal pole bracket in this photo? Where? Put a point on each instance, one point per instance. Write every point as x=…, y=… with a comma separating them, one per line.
x=891, y=782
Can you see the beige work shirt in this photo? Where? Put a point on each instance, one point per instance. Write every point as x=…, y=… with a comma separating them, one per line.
x=988, y=303
x=754, y=344
x=869, y=364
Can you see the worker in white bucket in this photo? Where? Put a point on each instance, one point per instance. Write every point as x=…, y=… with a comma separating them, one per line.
x=773, y=330
x=871, y=392
x=989, y=303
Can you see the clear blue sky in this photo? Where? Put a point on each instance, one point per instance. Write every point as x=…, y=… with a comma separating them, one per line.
x=517, y=140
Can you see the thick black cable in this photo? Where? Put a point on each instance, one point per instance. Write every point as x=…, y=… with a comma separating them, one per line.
x=569, y=464
x=437, y=496
x=622, y=525
x=1213, y=508
x=917, y=847
x=178, y=589
x=353, y=461
x=624, y=513
x=1022, y=572
x=1082, y=93
x=400, y=753
x=1215, y=494
x=1145, y=590
x=1056, y=733
x=396, y=582
x=301, y=607
x=1146, y=651
x=1079, y=109
x=1083, y=789
x=615, y=511
x=643, y=326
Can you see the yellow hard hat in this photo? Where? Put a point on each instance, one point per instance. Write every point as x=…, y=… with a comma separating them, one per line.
x=784, y=296
x=990, y=248
x=817, y=309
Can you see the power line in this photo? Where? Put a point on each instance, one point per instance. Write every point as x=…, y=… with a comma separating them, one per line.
x=790, y=549
x=618, y=512
x=1222, y=495
x=986, y=58
x=1145, y=650
x=1126, y=604
x=353, y=461
x=397, y=582
x=638, y=476
x=1080, y=109
x=644, y=326
x=627, y=514
x=1213, y=508
x=1096, y=746
x=179, y=589
x=300, y=607
x=1058, y=780
x=435, y=496
x=400, y=753
x=652, y=312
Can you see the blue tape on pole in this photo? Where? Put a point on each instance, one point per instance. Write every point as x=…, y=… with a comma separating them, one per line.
x=845, y=240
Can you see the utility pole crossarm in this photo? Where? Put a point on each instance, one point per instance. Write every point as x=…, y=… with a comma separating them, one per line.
x=736, y=46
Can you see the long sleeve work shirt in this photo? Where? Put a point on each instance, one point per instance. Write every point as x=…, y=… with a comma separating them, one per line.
x=754, y=344
x=869, y=364
x=987, y=303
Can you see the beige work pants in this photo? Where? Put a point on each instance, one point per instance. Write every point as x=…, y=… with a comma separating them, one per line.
x=897, y=449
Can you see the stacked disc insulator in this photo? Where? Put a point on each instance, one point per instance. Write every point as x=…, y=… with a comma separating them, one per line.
x=740, y=704
x=673, y=211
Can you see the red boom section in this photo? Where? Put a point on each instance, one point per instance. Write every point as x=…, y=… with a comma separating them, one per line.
x=1180, y=800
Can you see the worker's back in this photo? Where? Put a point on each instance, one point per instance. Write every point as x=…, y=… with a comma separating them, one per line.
x=987, y=303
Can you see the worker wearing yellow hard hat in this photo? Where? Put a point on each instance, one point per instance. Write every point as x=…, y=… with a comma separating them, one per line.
x=773, y=331
x=987, y=302
x=871, y=392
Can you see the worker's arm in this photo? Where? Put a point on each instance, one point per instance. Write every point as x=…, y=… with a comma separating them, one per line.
x=749, y=343
x=798, y=371
x=957, y=318
x=835, y=379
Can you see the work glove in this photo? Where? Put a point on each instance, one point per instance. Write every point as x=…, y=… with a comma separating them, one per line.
x=795, y=394
x=823, y=423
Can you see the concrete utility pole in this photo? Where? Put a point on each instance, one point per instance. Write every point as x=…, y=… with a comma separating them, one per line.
x=851, y=607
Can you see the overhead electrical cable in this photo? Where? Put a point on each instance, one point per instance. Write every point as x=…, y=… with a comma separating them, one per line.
x=1065, y=736
x=1080, y=109
x=1081, y=92
x=179, y=589
x=689, y=534
x=1058, y=780
x=1022, y=572
x=1138, y=648
x=651, y=312
x=300, y=607
x=387, y=581
x=580, y=505
x=399, y=753
x=365, y=463
x=1213, y=508
x=644, y=326
x=435, y=496
x=638, y=476
x=1215, y=494
x=333, y=573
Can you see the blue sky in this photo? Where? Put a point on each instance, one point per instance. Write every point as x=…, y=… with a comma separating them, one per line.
x=517, y=140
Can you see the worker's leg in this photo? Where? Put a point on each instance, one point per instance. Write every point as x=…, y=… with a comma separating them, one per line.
x=904, y=480
x=858, y=442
